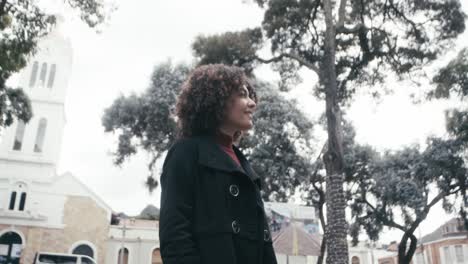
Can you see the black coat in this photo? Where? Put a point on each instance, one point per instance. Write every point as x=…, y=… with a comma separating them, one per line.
x=211, y=209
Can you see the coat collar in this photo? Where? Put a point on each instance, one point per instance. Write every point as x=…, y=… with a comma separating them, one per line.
x=211, y=155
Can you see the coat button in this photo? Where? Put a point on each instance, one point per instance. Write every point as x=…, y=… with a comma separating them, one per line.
x=235, y=227
x=234, y=190
x=266, y=235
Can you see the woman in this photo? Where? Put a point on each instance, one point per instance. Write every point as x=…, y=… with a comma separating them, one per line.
x=211, y=208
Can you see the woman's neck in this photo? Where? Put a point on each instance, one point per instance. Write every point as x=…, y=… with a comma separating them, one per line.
x=224, y=139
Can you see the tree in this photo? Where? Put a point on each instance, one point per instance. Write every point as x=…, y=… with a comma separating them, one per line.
x=150, y=212
x=230, y=48
x=277, y=148
x=355, y=47
x=357, y=159
x=22, y=24
x=409, y=183
x=146, y=121
x=450, y=82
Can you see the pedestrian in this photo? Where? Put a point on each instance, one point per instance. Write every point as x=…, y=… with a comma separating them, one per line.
x=211, y=207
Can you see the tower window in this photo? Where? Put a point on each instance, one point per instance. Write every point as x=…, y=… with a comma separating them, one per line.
x=19, y=135
x=33, y=78
x=22, y=201
x=43, y=75
x=38, y=146
x=12, y=201
x=50, y=82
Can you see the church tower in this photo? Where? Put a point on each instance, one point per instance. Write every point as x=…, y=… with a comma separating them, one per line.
x=30, y=151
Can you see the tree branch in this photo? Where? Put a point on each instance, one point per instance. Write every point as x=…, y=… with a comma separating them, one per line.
x=413, y=25
x=2, y=7
x=341, y=14
x=353, y=30
x=296, y=57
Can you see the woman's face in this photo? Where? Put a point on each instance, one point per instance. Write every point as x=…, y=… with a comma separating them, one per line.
x=239, y=111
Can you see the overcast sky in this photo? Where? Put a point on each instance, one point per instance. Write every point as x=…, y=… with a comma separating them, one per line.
x=143, y=33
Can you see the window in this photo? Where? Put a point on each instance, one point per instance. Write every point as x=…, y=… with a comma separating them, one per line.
x=43, y=75
x=156, y=257
x=11, y=244
x=19, y=189
x=19, y=135
x=12, y=201
x=459, y=254
x=123, y=256
x=44, y=258
x=84, y=249
x=50, y=82
x=447, y=258
x=22, y=201
x=33, y=78
x=40, y=135
x=355, y=260
x=419, y=258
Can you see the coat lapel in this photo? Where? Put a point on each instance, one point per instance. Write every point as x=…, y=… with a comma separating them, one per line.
x=211, y=155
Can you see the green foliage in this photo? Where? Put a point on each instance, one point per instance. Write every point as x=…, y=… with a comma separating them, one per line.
x=22, y=24
x=147, y=120
x=231, y=48
x=376, y=36
x=279, y=147
x=457, y=125
x=452, y=80
x=150, y=212
x=13, y=103
x=401, y=181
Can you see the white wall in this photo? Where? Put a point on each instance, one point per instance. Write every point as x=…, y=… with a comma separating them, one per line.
x=53, y=49
x=452, y=256
x=52, y=142
x=45, y=201
x=140, y=250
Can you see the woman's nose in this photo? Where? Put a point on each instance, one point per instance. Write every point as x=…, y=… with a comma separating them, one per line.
x=252, y=103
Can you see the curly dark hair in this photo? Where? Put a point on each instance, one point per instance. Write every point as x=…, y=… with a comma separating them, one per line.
x=201, y=104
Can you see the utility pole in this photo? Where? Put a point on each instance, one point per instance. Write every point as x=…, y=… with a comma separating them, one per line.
x=122, y=246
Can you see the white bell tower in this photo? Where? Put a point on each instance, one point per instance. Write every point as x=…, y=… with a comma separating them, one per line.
x=32, y=150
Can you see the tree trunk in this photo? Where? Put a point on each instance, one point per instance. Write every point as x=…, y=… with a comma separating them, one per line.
x=404, y=256
x=336, y=231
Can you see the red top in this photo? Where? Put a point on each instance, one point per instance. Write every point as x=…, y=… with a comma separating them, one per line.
x=225, y=142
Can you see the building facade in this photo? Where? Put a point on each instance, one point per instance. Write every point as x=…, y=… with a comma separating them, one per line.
x=448, y=244
x=139, y=240
x=40, y=210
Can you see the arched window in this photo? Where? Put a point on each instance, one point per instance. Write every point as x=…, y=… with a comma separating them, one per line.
x=19, y=135
x=11, y=244
x=12, y=201
x=156, y=257
x=123, y=256
x=50, y=82
x=22, y=201
x=84, y=249
x=355, y=260
x=42, y=77
x=38, y=146
x=34, y=70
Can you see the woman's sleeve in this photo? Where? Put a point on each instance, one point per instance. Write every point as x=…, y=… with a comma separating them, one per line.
x=176, y=215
